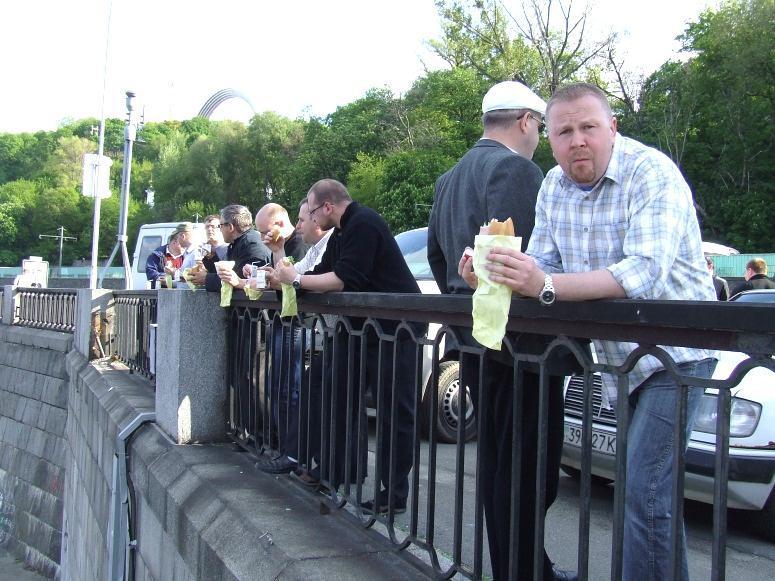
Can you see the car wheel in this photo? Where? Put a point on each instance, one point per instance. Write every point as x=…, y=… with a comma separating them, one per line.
x=575, y=473
x=447, y=414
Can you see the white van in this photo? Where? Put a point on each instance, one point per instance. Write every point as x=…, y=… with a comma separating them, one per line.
x=149, y=238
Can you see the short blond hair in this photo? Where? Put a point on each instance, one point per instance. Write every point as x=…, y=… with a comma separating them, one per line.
x=758, y=265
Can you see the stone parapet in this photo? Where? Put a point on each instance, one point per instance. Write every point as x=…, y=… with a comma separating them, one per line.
x=191, y=394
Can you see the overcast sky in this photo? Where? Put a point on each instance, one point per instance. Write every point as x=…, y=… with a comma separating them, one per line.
x=295, y=57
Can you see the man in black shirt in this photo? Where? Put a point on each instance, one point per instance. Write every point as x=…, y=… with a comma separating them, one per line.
x=755, y=277
x=362, y=256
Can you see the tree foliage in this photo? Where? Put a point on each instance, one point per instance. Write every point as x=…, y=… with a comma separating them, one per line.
x=714, y=116
x=712, y=113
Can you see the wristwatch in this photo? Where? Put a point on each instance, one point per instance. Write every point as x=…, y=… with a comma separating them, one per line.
x=297, y=282
x=547, y=295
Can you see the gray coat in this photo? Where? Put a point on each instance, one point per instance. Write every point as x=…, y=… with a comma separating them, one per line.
x=489, y=181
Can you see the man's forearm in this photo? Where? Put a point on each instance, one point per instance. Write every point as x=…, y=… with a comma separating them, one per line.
x=584, y=286
x=321, y=283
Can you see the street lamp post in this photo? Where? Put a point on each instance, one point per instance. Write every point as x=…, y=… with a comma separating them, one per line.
x=130, y=136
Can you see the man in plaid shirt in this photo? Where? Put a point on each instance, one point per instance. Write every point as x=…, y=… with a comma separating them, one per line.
x=616, y=219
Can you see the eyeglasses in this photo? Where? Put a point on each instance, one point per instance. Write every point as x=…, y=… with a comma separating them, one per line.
x=541, y=124
x=311, y=212
x=212, y=225
x=224, y=224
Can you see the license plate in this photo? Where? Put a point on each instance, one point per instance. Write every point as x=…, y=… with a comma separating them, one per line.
x=602, y=442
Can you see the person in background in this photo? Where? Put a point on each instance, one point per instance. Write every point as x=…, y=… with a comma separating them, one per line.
x=720, y=284
x=168, y=259
x=755, y=277
x=616, y=219
x=212, y=250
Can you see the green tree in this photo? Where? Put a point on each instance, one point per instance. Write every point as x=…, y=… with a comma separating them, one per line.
x=445, y=111
x=273, y=146
x=408, y=184
x=365, y=179
x=729, y=155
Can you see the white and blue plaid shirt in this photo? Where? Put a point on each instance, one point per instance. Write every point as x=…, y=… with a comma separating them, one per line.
x=639, y=223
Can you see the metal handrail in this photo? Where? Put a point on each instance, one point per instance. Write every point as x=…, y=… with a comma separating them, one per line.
x=132, y=335
x=743, y=327
x=50, y=309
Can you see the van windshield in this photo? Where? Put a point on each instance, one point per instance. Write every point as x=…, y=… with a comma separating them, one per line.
x=147, y=245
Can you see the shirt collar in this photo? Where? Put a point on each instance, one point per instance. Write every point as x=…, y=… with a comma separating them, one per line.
x=321, y=244
x=348, y=212
x=168, y=252
x=491, y=140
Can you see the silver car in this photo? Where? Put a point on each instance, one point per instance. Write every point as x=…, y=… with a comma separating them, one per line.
x=414, y=247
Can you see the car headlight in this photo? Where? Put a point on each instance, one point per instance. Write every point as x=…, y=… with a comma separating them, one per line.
x=743, y=419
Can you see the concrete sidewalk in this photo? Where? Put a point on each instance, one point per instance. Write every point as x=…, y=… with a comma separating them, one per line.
x=13, y=570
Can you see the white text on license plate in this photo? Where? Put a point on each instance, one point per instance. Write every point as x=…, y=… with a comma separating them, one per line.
x=601, y=441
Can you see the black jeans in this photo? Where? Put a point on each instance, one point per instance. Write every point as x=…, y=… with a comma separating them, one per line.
x=324, y=395
x=495, y=450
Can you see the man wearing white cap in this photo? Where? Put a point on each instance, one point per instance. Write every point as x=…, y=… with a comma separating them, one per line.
x=616, y=219
x=497, y=179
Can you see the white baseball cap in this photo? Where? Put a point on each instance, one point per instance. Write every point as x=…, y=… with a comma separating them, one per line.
x=512, y=95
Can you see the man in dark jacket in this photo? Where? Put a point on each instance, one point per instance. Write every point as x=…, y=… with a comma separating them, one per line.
x=245, y=247
x=755, y=277
x=497, y=179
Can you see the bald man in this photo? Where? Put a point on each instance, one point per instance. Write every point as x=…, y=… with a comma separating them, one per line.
x=274, y=223
x=276, y=228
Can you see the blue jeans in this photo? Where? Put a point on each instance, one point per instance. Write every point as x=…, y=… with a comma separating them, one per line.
x=648, y=502
x=286, y=381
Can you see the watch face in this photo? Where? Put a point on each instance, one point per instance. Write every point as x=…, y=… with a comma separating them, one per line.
x=547, y=297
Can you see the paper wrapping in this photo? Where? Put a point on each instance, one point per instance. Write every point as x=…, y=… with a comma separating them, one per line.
x=186, y=272
x=491, y=300
x=290, y=308
x=226, y=288
x=253, y=294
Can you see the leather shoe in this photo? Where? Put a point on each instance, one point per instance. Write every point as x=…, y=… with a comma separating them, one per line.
x=399, y=506
x=561, y=575
x=282, y=465
x=305, y=478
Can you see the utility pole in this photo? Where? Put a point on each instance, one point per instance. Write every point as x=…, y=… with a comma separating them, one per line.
x=130, y=136
x=62, y=239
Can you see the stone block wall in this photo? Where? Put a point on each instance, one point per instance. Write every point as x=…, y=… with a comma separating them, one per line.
x=103, y=399
x=33, y=414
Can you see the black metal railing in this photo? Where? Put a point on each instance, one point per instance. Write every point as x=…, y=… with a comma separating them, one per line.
x=355, y=350
x=132, y=332
x=50, y=309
